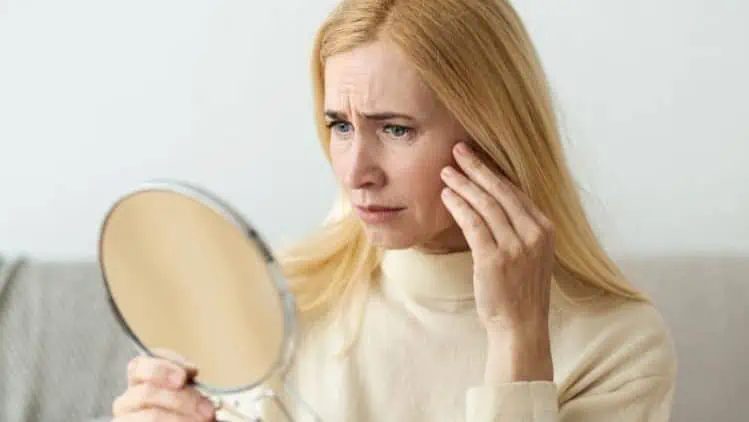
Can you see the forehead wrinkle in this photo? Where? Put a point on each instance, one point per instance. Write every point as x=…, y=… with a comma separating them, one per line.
x=359, y=90
x=386, y=85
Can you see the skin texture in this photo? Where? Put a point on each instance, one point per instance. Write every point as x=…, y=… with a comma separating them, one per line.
x=396, y=161
x=448, y=199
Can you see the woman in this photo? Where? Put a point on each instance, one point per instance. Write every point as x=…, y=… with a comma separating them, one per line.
x=461, y=279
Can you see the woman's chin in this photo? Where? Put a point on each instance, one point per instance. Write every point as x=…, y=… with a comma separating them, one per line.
x=389, y=238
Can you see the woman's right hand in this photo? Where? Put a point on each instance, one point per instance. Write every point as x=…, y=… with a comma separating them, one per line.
x=158, y=390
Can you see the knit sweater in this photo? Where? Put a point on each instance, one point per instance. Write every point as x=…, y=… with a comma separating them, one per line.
x=421, y=353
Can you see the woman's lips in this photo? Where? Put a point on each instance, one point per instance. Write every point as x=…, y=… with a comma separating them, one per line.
x=375, y=214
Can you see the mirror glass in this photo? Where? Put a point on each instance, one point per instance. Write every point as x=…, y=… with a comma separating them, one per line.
x=185, y=273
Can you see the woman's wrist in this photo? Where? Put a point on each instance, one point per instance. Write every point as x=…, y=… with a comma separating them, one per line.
x=516, y=355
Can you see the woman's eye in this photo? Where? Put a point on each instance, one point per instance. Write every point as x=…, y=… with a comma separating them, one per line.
x=397, y=131
x=339, y=126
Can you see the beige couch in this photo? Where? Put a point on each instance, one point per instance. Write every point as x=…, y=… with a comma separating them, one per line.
x=62, y=357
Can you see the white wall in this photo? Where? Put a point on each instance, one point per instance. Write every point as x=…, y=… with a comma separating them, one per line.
x=96, y=96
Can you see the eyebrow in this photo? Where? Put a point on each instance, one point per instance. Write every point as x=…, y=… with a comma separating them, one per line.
x=338, y=115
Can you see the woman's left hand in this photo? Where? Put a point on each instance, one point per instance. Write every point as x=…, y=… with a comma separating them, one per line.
x=512, y=244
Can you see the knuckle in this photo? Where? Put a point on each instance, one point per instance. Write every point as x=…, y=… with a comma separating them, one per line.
x=510, y=252
x=488, y=203
x=169, y=376
x=497, y=186
x=535, y=236
x=484, y=241
x=160, y=370
x=500, y=258
x=474, y=222
x=514, y=251
x=458, y=205
x=147, y=393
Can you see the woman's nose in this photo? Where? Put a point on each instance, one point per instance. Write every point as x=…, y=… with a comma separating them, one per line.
x=365, y=170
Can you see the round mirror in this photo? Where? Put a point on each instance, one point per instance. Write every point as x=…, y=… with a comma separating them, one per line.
x=186, y=273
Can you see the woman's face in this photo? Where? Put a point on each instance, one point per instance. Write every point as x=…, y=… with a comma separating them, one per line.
x=389, y=139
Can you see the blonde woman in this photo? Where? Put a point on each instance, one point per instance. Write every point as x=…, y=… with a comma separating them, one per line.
x=459, y=279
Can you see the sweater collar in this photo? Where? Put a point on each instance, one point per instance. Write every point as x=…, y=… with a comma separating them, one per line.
x=429, y=278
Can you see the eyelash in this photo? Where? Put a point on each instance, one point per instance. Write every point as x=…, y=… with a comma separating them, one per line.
x=407, y=129
x=334, y=123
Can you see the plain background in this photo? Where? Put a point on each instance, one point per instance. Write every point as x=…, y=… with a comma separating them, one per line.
x=97, y=96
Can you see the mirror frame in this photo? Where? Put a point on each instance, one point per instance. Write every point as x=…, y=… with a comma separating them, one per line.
x=205, y=198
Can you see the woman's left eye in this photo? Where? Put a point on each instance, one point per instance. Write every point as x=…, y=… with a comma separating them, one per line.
x=397, y=131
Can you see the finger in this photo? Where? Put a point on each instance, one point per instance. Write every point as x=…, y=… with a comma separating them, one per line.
x=487, y=206
x=154, y=414
x=543, y=223
x=521, y=219
x=477, y=233
x=174, y=357
x=187, y=401
x=527, y=203
x=181, y=361
x=158, y=371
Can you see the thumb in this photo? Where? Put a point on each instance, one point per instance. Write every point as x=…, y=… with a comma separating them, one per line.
x=176, y=358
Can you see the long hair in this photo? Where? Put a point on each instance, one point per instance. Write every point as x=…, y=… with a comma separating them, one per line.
x=478, y=58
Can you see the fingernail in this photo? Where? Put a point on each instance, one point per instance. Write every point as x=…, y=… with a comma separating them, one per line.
x=448, y=172
x=463, y=149
x=206, y=408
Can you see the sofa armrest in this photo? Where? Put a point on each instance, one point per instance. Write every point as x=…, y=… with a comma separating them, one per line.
x=7, y=268
x=62, y=355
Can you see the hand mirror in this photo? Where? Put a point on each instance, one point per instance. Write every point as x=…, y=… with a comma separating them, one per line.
x=186, y=273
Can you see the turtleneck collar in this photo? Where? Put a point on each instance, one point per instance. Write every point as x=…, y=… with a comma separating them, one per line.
x=436, y=280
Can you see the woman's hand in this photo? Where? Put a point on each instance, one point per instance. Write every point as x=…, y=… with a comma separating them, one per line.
x=158, y=391
x=512, y=244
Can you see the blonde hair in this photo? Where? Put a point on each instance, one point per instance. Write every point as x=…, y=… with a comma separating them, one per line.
x=478, y=59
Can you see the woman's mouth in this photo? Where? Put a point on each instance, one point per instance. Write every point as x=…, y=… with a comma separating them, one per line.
x=375, y=214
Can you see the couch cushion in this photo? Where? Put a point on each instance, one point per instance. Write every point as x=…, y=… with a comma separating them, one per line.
x=63, y=357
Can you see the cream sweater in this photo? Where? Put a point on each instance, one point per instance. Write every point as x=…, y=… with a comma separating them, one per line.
x=422, y=351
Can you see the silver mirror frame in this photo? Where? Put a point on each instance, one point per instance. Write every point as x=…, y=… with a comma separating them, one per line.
x=204, y=197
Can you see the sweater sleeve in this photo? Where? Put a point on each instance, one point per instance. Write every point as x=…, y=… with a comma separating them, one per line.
x=645, y=399
x=516, y=402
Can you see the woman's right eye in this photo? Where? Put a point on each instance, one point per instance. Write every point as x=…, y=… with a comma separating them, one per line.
x=340, y=126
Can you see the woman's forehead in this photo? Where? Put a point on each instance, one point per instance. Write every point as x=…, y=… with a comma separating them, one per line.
x=375, y=78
